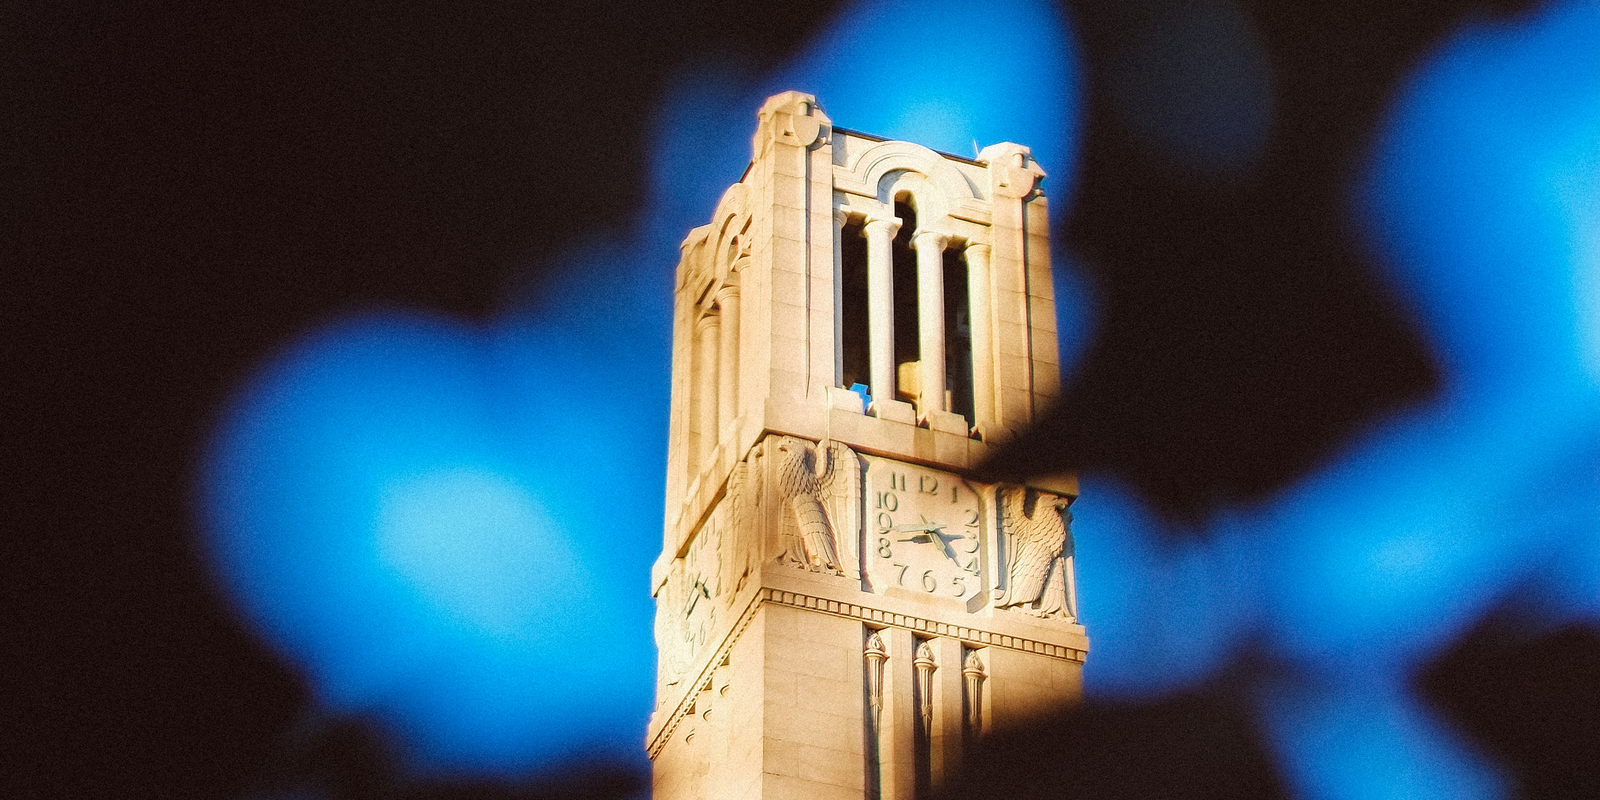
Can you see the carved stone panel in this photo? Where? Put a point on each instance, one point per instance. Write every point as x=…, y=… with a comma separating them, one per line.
x=1037, y=553
x=818, y=490
x=691, y=601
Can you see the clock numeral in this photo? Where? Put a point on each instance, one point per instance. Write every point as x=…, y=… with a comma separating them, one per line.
x=929, y=583
x=927, y=484
x=971, y=565
x=902, y=579
x=888, y=502
x=960, y=584
x=897, y=480
x=972, y=517
x=883, y=548
x=885, y=522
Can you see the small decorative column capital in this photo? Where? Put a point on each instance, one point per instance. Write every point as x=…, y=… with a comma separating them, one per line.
x=929, y=240
x=883, y=226
x=974, y=666
x=841, y=217
x=875, y=649
x=978, y=249
x=923, y=661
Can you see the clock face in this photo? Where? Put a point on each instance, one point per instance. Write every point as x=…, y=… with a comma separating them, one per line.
x=924, y=532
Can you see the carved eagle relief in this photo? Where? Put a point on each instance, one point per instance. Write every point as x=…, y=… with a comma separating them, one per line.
x=1039, y=544
x=819, y=487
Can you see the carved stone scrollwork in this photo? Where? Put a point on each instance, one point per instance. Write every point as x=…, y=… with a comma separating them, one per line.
x=820, y=487
x=1038, y=553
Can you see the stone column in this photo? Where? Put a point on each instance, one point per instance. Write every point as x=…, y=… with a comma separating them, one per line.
x=880, y=306
x=706, y=333
x=728, y=355
x=982, y=316
x=930, y=319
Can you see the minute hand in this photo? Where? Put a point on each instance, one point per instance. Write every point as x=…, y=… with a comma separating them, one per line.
x=931, y=531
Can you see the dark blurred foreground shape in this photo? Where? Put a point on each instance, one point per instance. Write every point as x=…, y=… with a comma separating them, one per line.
x=1529, y=697
x=193, y=183
x=1198, y=745
x=349, y=760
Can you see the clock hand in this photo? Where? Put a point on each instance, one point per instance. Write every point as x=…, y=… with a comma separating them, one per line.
x=694, y=596
x=928, y=532
x=945, y=546
x=923, y=531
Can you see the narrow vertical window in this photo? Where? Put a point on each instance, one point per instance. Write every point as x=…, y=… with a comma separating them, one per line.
x=853, y=304
x=906, y=331
x=957, y=333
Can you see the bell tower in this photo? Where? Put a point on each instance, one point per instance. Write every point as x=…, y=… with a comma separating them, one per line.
x=840, y=610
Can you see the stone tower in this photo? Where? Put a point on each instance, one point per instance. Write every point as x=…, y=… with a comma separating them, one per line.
x=840, y=610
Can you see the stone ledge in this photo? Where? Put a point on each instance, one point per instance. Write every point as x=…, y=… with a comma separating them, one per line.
x=1012, y=634
x=969, y=634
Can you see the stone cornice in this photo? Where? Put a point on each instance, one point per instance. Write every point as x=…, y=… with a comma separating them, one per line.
x=969, y=634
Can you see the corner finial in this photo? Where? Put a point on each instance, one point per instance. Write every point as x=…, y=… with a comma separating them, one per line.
x=791, y=118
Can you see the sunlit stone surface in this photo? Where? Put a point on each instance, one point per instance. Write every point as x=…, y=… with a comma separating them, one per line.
x=838, y=609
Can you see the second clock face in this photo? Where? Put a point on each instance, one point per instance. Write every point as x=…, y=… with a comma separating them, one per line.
x=924, y=531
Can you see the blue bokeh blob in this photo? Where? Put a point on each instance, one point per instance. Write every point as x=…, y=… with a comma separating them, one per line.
x=388, y=509
x=896, y=68
x=892, y=68
x=1163, y=611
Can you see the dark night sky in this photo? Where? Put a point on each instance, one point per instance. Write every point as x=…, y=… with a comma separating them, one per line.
x=193, y=183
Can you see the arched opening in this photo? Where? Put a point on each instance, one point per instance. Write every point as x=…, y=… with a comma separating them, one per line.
x=958, y=333
x=854, y=332
x=906, y=327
